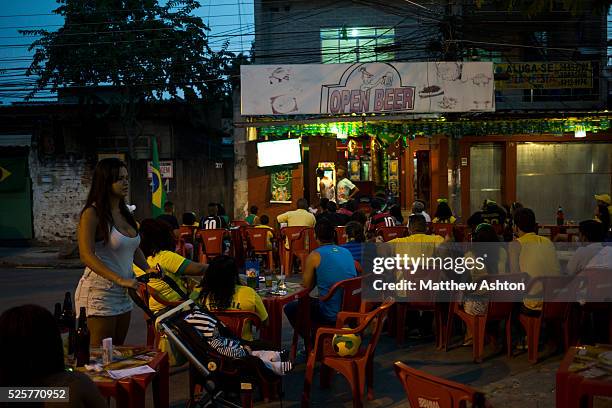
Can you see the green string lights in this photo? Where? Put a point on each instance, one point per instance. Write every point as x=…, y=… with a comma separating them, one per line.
x=388, y=133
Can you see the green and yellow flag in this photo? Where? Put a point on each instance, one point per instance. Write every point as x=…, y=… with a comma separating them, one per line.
x=13, y=173
x=157, y=188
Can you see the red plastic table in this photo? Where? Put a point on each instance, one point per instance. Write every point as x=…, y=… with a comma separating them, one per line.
x=575, y=391
x=131, y=391
x=272, y=333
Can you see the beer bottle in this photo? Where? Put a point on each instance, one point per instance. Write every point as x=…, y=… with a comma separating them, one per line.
x=82, y=340
x=68, y=321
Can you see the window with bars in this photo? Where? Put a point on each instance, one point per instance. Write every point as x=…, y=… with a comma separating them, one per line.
x=357, y=44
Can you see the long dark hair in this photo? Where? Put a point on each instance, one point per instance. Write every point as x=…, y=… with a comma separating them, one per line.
x=105, y=174
x=30, y=346
x=156, y=236
x=220, y=282
x=443, y=212
x=486, y=233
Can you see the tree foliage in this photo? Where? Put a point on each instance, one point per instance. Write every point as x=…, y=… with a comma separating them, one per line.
x=147, y=49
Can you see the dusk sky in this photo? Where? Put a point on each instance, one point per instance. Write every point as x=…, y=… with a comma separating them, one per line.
x=226, y=18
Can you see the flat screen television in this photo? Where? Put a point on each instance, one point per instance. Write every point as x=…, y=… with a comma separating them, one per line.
x=279, y=152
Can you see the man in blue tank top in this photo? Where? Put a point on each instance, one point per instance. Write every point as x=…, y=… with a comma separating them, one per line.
x=325, y=266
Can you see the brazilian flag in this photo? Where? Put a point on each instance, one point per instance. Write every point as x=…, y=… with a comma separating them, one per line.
x=13, y=173
x=159, y=195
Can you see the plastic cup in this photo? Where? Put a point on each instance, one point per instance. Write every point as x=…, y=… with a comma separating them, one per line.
x=268, y=281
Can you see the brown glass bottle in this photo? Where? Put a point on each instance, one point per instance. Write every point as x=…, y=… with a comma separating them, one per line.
x=82, y=340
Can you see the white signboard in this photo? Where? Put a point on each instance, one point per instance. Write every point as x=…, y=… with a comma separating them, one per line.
x=166, y=168
x=367, y=88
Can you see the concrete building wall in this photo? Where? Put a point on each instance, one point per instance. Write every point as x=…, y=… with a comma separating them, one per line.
x=59, y=191
x=289, y=32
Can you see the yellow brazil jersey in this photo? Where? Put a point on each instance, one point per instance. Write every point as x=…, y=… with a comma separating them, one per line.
x=538, y=257
x=246, y=299
x=173, y=265
x=427, y=245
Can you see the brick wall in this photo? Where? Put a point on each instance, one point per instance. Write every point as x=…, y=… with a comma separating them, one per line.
x=59, y=191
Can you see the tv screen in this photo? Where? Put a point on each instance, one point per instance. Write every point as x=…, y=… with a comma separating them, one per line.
x=278, y=152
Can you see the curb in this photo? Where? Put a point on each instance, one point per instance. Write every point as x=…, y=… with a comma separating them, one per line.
x=48, y=265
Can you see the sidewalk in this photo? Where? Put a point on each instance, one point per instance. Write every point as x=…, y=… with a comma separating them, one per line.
x=38, y=257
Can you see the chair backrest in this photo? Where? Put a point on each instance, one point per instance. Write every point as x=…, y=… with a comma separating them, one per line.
x=293, y=235
x=235, y=320
x=341, y=235
x=442, y=229
x=426, y=390
x=375, y=320
x=239, y=223
x=556, y=291
x=310, y=240
x=351, y=294
x=597, y=284
x=257, y=238
x=212, y=239
x=187, y=232
x=389, y=233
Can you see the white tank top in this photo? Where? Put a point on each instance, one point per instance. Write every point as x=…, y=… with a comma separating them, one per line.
x=117, y=254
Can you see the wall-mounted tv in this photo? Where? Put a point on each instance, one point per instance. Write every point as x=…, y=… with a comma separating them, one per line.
x=279, y=152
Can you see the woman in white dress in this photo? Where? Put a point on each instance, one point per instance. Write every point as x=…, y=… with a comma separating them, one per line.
x=108, y=244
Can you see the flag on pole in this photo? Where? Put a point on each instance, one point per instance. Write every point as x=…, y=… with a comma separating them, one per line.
x=158, y=194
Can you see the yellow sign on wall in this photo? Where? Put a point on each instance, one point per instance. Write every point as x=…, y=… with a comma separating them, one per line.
x=544, y=75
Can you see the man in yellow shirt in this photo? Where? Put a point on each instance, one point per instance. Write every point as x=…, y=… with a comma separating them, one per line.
x=418, y=235
x=298, y=218
x=531, y=253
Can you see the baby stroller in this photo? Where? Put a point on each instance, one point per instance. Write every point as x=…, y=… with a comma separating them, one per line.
x=219, y=375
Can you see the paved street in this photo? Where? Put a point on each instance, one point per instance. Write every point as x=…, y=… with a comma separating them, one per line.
x=497, y=376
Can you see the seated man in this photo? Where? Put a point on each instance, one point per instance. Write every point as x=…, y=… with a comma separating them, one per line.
x=379, y=218
x=531, y=254
x=213, y=220
x=325, y=266
x=418, y=235
x=591, y=232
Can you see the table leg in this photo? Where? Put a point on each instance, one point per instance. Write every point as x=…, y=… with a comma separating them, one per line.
x=161, y=395
x=130, y=394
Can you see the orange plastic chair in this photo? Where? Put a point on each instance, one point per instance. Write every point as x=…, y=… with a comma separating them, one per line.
x=186, y=235
x=425, y=390
x=257, y=239
x=442, y=229
x=236, y=320
x=211, y=243
x=341, y=236
x=389, y=233
x=307, y=235
x=552, y=311
x=358, y=369
x=351, y=302
x=496, y=311
x=423, y=301
x=290, y=235
x=240, y=223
